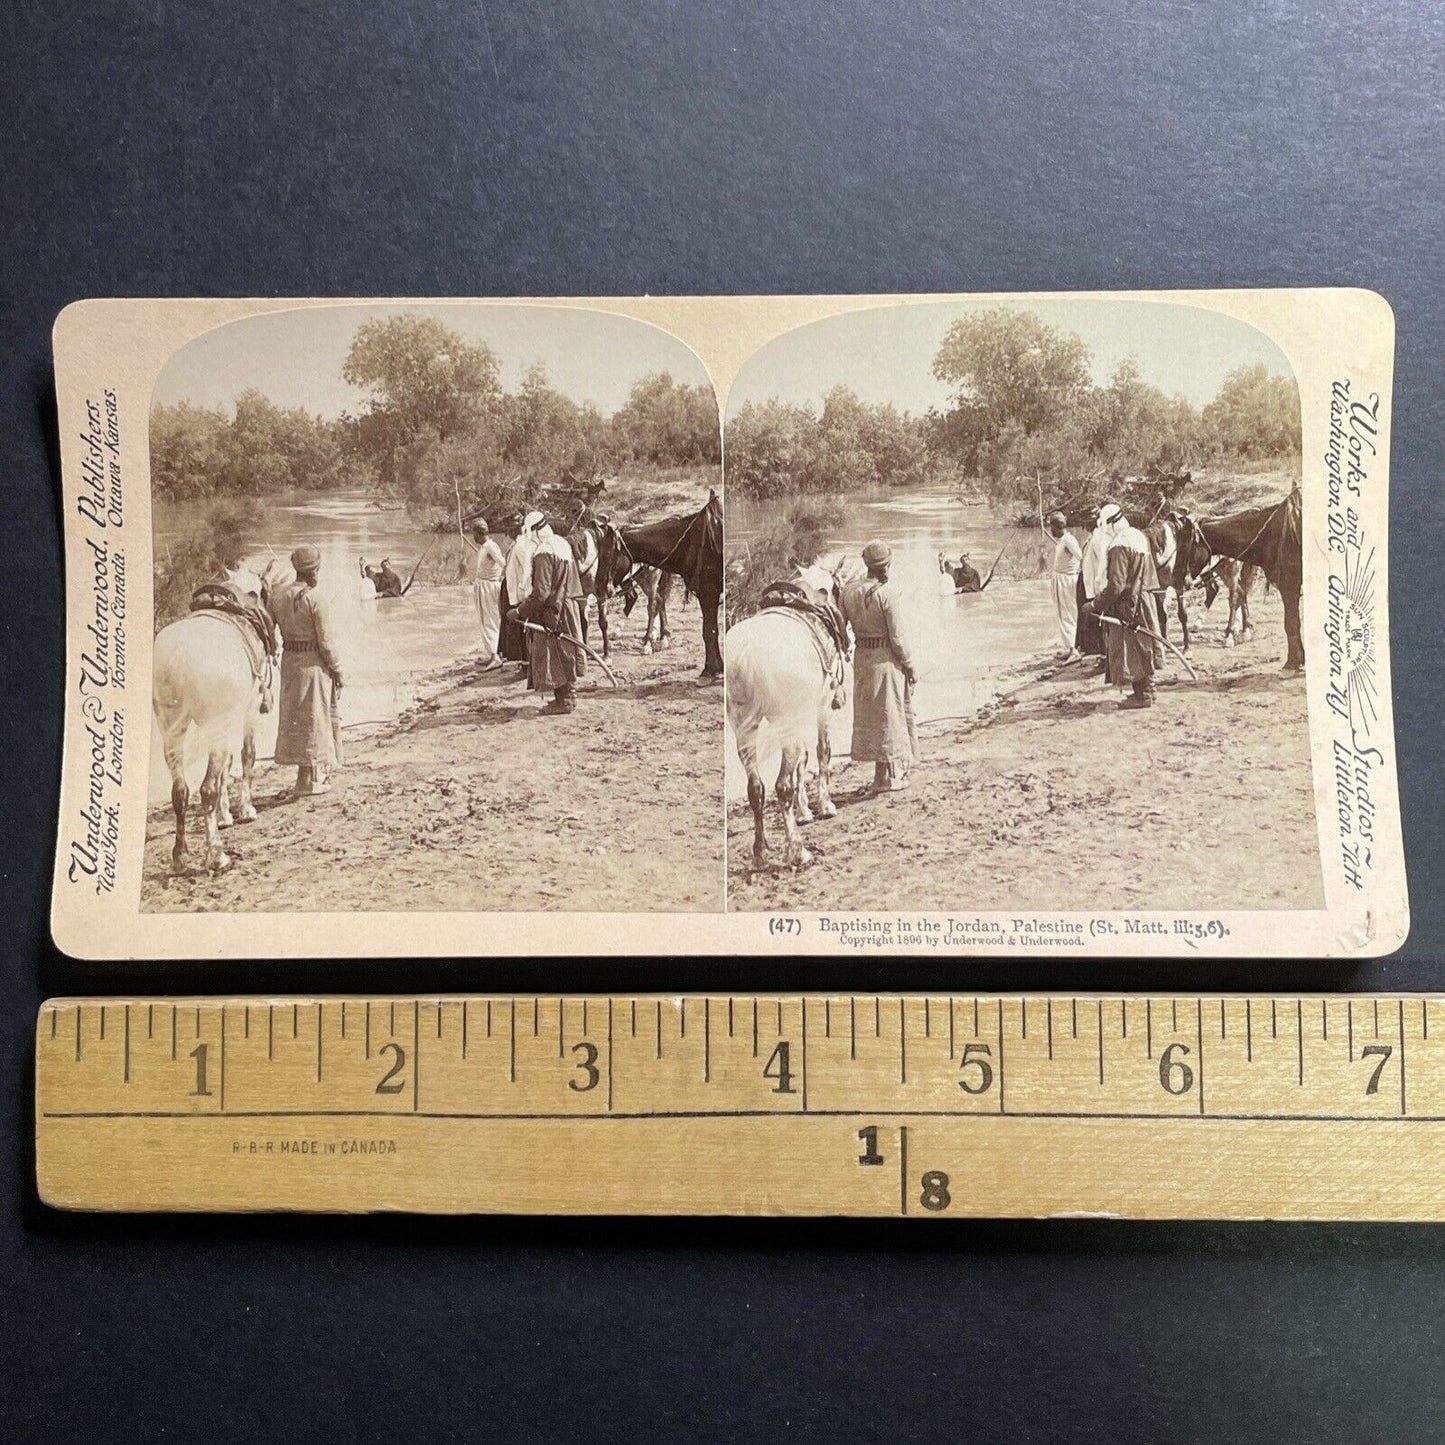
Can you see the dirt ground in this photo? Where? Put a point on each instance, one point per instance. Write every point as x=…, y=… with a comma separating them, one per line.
x=473, y=802
x=1053, y=798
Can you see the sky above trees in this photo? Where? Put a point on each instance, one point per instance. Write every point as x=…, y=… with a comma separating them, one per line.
x=886, y=354
x=295, y=358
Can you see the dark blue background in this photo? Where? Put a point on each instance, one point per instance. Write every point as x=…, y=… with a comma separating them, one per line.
x=578, y=146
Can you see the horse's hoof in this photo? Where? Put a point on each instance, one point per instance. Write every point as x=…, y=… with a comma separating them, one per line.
x=805, y=858
x=224, y=822
x=248, y=814
x=222, y=862
x=647, y=649
x=1247, y=635
x=828, y=810
x=1229, y=639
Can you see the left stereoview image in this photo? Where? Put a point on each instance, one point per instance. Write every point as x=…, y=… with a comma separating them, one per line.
x=435, y=611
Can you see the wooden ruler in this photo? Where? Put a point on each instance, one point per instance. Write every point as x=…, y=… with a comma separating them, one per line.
x=928, y=1107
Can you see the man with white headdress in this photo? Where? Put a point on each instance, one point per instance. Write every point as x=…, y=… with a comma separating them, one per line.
x=554, y=608
x=516, y=585
x=883, y=675
x=1132, y=651
x=1093, y=575
x=1068, y=556
x=487, y=593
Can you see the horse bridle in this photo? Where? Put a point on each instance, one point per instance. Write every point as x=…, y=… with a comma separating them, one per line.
x=1269, y=517
x=632, y=562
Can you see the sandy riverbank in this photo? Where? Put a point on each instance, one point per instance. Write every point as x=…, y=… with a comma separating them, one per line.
x=473, y=802
x=1052, y=798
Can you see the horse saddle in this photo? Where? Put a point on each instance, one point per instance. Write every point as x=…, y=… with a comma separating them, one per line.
x=823, y=621
x=251, y=621
x=797, y=597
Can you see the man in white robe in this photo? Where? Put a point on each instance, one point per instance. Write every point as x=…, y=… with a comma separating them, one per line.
x=517, y=587
x=487, y=593
x=1068, y=557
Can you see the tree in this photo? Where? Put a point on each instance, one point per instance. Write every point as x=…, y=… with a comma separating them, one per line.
x=188, y=447
x=1255, y=414
x=1011, y=371
x=422, y=376
x=767, y=446
x=669, y=424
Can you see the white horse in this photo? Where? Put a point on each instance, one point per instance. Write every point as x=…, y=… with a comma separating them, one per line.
x=776, y=675
x=207, y=677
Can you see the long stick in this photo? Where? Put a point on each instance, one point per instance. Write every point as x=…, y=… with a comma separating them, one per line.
x=562, y=637
x=1138, y=627
x=417, y=568
x=996, y=561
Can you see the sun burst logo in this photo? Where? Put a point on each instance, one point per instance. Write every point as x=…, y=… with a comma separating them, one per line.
x=1352, y=618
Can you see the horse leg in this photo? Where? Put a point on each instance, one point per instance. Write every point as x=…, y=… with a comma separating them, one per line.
x=248, y=767
x=180, y=802
x=1183, y=615
x=223, y=799
x=1295, y=655
x=173, y=735
x=826, y=806
x=757, y=796
x=649, y=591
x=213, y=786
x=602, y=625
x=790, y=779
x=802, y=809
x=1246, y=581
x=664, y=590
x=712, y=661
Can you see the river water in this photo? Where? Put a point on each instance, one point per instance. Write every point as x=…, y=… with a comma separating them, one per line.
x=962, y=643
x=386, y=645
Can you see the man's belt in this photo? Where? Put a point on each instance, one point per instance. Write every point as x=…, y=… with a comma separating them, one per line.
x=872, y=642
x=299, y=646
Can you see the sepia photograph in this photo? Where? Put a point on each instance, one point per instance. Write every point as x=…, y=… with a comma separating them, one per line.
x=757, y=625
x=1014, y=613
x=436, y=615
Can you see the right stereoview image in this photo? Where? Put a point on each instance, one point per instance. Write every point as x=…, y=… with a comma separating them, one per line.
x=1013, y=601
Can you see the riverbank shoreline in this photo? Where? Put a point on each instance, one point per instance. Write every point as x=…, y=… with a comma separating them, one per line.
x=472, y=801
x=1049, y=797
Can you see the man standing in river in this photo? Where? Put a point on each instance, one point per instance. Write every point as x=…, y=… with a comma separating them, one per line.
x=883, y=675
x=310, y=678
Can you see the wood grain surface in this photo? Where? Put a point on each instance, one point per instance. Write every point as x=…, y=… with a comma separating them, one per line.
x=925, y=1106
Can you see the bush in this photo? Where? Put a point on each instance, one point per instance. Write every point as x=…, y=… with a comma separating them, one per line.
x=219, y=539
x=796, y=539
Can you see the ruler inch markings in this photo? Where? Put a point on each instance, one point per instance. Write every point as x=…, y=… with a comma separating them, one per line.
x=1326, y=1155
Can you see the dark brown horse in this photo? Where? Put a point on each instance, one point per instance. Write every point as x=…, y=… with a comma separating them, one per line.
x=1270, y=538
x=615, y=570
x=1196, y=564
x=689, y=547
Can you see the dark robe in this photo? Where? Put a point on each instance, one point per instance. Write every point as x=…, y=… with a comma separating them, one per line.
x=1130, y=655
x=514, y=638
x=1088, y=635
x=555, y=604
